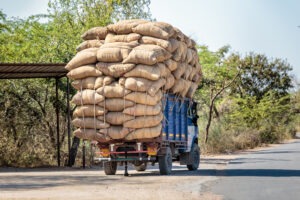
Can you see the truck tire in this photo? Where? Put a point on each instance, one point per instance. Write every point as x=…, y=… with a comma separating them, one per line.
x=194, y=157
x=165, y=162
x=140, y=168
x=110, y=168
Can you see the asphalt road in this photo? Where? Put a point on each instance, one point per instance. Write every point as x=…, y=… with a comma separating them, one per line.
x=273, y=173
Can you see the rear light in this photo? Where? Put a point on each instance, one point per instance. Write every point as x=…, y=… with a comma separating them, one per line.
x=105, y=152
x=152, y=150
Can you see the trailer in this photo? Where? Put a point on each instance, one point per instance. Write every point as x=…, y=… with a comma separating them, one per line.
x=178, y=141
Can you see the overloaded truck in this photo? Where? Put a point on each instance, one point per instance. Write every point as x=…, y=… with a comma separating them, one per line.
x=178, y=141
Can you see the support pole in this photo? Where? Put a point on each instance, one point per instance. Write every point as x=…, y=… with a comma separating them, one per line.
x=57, y=121
x=68, y=121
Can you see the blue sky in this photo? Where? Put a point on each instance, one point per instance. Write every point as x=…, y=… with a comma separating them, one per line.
x=261, y=26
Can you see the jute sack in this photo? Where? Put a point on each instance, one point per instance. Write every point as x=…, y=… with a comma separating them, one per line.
x=197, y=78
x=115, y=52
x=122, y=81
x=189, y=55
x=144, y=85
x=192, y=90
x=114, y=69
x=180, y=53
x=87, y=56
x=125, y=26
x=145, y=71
x=155, y=29
x=147, y=54
x=86, y=83
x=144, y=98
x=143, y=110
x=160, y=42
x=95, y=33
x=187, y=85
x=103, y=80
x=144, y=133
x=89, y=122
x=144, y=121
x=170, y=81
x=188, y=70
x=113, y=91
x=91, y=134
x=178, y=34
x=180, y=70
x=192, y=74
x=115, y=132
x=171, y=64
x=88, y=111
x=117, y=118
x=174, y=44
x=116, y=104
x=122, y=38
x=87, y=97
x=84, y=72
x=178, y=86
x=89, y=44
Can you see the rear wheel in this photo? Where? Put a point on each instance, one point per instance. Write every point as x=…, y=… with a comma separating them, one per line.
x=165, y=162
x=194, y=158
x=140, y=167
x=110, y=168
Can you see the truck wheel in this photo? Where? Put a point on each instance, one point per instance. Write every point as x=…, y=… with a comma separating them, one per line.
x=140, y=168
x=110, y=168
x=165, y=162
x=195, y=157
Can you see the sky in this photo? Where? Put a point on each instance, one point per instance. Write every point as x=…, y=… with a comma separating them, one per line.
x=261, y=26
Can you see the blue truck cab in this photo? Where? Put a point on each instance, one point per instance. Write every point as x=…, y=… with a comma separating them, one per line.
x=178, y=141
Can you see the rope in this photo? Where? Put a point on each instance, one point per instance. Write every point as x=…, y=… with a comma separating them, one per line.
x=81, y=101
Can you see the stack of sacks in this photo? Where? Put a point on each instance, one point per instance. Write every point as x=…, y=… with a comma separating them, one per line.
x=121, y=73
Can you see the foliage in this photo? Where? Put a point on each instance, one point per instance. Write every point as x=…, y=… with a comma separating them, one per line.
x=28, y=133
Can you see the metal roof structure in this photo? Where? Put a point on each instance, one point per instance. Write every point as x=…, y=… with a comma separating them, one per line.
x=32, y=70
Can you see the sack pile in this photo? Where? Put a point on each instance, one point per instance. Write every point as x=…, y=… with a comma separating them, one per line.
x=121, y=73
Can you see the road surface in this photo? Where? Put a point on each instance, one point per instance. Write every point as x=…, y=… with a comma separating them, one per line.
x=268, y=174
x=271, y=173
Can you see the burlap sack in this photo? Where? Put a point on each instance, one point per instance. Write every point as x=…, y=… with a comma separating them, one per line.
x=170, y=81
x=117, y=118
x=122, y=81
x=189, y=55
x=143, y=110
x=187, y=85
x=180, y=70
x=122, y=38
x=174, y=45
x=144, y=98
x=160, y=42
x=113, y=91
x=144, y=133
x=178, y=86
x=192, y=90
x=180, y=53
x=115, y=52
x=89, y=122
x=116, y=104
x=87, y=97
x=192, y=74
x=98, y=33
x=85, y=57
x=88, y=111
x=103, y=80
x=125, y=26
x=84, y=72
x=188, y=70
x=144, y=85
x=147, y=54
x=89, y=44
x=91, y=134
x=144, y=121
x=114, y=69
x=145, y=71
x=155, y=29
x=86, y=83
x=178, y=34
x=171, y=64
x=115, y=132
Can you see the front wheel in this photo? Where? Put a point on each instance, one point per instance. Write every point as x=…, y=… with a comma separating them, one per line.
x=165, y=162
x=194, y=158
x=141, y=167
x=110, y=168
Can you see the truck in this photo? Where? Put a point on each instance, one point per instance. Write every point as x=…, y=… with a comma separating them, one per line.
x=178, y=141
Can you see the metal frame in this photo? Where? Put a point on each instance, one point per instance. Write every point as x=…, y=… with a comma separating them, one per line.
x=42, y=70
